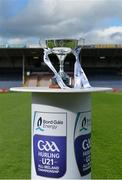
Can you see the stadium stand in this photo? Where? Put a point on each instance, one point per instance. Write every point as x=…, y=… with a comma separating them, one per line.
x=96, y=59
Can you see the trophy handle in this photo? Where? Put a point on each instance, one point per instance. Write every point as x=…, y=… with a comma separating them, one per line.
x=80, y=77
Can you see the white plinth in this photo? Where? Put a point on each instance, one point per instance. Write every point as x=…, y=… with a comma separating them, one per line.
x=61, y=132
x=49, y=90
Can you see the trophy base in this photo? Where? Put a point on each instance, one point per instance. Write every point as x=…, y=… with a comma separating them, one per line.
x=55, y=85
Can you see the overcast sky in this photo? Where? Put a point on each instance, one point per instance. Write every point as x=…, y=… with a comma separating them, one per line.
x=98, y=21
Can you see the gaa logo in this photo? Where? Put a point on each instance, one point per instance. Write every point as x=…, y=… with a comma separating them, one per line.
x=47, y=146
x=39, y=124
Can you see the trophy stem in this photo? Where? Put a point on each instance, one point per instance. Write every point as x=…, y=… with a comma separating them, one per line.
x=61, y=70
x=61, y=64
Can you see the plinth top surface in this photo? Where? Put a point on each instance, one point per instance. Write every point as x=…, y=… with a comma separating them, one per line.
x=53, y=90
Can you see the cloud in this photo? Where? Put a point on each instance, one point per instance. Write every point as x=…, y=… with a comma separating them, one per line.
x=93, y=19
x=105, y=35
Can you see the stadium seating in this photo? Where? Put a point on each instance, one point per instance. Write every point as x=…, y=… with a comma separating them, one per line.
x=37, y=80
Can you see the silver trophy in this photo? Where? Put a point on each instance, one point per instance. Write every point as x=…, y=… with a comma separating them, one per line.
x=61, y=53
x=61, y=48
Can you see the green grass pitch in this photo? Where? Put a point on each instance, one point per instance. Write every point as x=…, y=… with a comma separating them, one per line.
x=15, y=116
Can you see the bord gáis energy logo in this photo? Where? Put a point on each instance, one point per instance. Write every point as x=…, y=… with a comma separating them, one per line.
x=39, y=124
x=84, y=124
